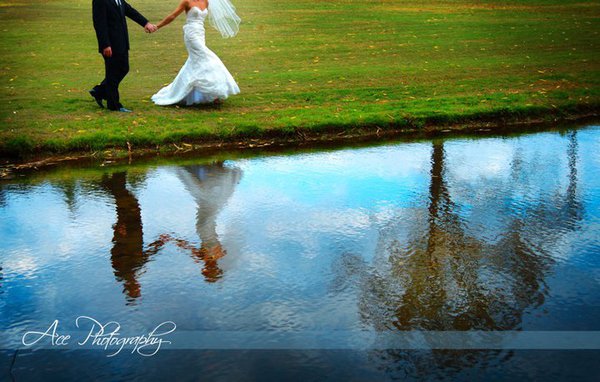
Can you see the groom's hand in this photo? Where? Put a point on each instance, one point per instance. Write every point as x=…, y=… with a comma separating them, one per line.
x=107, y=52
x=150, y=28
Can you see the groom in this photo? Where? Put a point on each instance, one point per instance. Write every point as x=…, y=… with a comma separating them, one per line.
x=113, y=44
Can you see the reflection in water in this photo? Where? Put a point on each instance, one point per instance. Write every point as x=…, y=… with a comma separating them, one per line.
x=127, y=254
x=447, y=279
x=444, y=279
x=573, y=205
x=453, y=235
x=69, y=190
x=211, y=187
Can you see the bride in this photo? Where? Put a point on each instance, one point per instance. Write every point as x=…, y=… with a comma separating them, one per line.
x=203, y=78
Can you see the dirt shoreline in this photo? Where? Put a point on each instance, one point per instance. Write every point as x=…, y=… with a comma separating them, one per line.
x=360, y=134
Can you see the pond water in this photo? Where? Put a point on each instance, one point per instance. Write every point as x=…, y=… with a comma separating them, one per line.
x=301, y=266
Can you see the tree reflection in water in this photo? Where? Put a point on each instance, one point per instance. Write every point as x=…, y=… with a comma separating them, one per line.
x=445, y=278
x=210, y=185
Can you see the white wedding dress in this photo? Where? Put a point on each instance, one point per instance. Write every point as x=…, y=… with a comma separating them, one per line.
x=203, y=78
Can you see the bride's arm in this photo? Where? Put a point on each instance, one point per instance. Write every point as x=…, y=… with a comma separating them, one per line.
x=167, y=20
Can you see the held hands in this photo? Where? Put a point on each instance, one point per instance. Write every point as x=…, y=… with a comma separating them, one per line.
x=150, y=28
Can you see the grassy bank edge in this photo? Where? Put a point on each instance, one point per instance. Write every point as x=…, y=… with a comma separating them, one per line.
x=24, y=150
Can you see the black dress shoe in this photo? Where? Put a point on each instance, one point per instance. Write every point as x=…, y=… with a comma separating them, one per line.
x=98, y=99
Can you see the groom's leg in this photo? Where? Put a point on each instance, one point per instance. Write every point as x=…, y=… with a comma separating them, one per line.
x=123, y=67
x=101, y=89
x=117, y=67
x=111, y=83
x=98, y=92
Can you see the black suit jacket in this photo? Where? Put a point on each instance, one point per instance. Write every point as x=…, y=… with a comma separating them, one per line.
x=111, y=26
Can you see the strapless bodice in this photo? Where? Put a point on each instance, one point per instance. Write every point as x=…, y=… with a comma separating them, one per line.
x=196, y=14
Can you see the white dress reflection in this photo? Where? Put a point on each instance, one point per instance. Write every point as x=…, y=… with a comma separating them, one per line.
x=211, y=186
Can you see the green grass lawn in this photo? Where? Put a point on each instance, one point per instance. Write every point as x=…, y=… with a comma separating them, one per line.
x=304, y=67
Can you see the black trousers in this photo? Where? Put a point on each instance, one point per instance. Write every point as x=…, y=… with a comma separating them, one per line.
x=116, y=68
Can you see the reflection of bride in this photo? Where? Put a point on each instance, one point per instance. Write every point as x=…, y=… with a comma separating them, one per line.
x=211, y=186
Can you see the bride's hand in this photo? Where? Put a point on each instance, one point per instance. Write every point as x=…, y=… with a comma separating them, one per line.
x=150, y=28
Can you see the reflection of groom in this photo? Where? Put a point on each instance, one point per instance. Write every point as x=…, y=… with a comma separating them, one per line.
x=113, y=44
